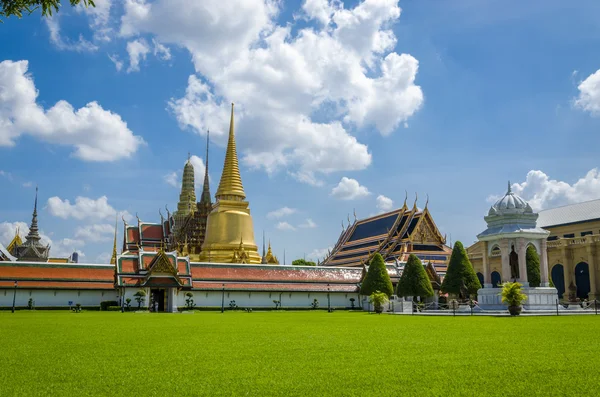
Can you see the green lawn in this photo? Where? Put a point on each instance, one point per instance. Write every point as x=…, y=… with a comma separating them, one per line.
x=296, y=354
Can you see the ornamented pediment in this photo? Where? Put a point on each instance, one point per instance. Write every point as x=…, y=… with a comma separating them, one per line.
x=161, y=265
x=424, y=233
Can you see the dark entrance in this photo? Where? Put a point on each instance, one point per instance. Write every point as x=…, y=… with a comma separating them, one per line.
x=495, y=279
x=582, y=280
x=558, y=279
x=480, y=277
x=157, y=300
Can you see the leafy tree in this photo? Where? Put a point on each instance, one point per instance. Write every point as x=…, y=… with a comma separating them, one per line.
x=139, y=297
x=302, y=262
x=377, y=278
x=460, y=270
x=533, y=266
x=18, y=7
x=378, y=299
x=414, y=280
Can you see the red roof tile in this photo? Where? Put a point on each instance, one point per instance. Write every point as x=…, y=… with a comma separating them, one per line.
x=298, y=287
x=275, y=273
x=46, y=272
x=152, y=232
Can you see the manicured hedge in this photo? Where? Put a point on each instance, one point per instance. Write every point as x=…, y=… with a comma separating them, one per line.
x=105, y=304
x=377, y=278
x=460, y=270
x=414, y=280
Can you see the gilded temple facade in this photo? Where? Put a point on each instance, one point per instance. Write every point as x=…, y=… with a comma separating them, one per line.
x=395, y=235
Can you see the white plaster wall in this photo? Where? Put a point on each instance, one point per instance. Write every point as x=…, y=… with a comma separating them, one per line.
x=55, y=298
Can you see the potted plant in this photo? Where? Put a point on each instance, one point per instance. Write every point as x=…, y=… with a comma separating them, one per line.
x=513, y=297
x=378, y=299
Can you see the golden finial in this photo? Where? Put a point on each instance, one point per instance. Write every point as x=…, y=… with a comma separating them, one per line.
x=354, y=210
x=405, y=197
x=427, y=202
x=113, y=259
x=138, y=218
x=348, y=219
x=416, y=199
x=231, y=180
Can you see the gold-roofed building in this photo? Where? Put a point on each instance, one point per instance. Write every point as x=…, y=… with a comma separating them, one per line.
x=229, y=230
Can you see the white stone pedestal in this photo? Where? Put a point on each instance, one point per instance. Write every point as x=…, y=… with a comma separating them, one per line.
x=538, y=298
x=403, y=305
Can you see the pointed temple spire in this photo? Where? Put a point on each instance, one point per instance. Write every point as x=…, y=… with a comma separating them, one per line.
x=205, y=198
x=509, y=191
x=230, y=186
x=34, y=234
x=113, y=258
x=187, y=197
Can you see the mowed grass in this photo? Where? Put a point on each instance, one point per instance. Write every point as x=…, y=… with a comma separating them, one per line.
x=296, y=354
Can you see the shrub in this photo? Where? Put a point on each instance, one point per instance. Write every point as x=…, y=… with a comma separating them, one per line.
x=378, y=299
x=127, y=304
x=189, y=301
x=232, y=305
x=113, y=309
x=277, y=304
x=512, y=295
x=533, y=266
x=460, y=270
x=314, y=304
x=105, y=304
x=414, y=280
x=352, y=303
x=377, y=278
x=30, y=304
x=139, y=297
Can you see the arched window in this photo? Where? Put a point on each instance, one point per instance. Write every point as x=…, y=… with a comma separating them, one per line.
x=582, y=280
x=480, y=277
x=496, y=279
x=558, y=279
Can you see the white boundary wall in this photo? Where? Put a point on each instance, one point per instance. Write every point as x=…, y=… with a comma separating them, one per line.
x=56, y=298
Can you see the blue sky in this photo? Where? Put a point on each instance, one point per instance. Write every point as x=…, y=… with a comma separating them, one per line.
x=447, y=99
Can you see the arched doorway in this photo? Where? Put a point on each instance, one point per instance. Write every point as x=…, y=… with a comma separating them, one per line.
x=496, y=279
x=582, y=280
x=558, y=279
x=480, y=277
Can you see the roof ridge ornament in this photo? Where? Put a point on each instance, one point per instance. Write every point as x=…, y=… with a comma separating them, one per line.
x=405, y=197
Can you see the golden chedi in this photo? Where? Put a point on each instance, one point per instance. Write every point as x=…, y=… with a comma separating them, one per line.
x=229, y=230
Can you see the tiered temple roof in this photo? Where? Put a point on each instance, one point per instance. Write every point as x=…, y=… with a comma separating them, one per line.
x=56, y=276
x=395, y=235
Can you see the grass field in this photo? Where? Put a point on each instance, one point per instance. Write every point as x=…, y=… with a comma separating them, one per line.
x=296, y=354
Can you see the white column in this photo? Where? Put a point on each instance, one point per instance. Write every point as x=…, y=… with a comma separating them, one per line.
x=592, y=267
x=545, y=281
x=487, y=277
x=173, y=300
x=522, y=253
x=505, y=252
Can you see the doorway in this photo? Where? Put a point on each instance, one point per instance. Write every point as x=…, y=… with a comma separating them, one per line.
x=157, y=300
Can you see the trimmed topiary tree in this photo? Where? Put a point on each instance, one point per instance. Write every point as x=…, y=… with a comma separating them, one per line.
x=414, y=280
x=377, y=278
x=460, y=270
x=533, y=266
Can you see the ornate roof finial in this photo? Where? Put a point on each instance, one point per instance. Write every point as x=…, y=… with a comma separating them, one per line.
x=427, y=202
x=138, y=218
x=33, y=234
x=231, y=180
x=405, y=197
x=113, y=259
x=509, y=188
x=354, y=210
x=348, y=219
x=343, y=228
x=416, y=199
x=189, y=156
x=168, y=213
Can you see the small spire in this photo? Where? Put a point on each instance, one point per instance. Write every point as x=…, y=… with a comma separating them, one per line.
x=33, y=234
x=509, y=188
x=264, y=253
x=189, y=156
x=231, y=180
x=427, y=202
x=113, y=259
x=205, y=198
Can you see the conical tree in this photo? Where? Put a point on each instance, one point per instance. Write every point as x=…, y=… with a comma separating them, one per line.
x=377, y=278
x=460, y=270
x=533, y=266
x=414, y=280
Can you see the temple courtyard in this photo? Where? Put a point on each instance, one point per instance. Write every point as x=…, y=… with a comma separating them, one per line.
x=295, y=354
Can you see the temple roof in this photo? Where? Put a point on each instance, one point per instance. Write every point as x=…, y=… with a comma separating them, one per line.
x=56, y=275
x=5, y=254
x=568, y=214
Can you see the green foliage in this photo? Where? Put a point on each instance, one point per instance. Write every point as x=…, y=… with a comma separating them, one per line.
x=377, y=278
x=232, y=305
x=30, y=304
x=189, y=301
x=105, y=304
x=533, y=267
x=127, y=304
x=113, y=308
x=460, y=270
x=378, y=299
x=139, y=297
x=302, y=262
x=314, y=304
x=352, y=300
x=77, y=308
x=414, y=280
x=19, y=7
x=512, y=295
x=277, y=304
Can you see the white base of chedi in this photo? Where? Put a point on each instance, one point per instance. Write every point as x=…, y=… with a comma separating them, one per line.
x=538, y=298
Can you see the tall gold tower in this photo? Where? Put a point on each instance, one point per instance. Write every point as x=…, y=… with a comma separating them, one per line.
x=229, y=230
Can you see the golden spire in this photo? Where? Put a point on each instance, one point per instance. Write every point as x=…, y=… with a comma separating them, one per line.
x=230, y=186
x=113, y=259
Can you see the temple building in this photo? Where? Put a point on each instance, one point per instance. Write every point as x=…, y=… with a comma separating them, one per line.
x=395, y=235
x=566, y=238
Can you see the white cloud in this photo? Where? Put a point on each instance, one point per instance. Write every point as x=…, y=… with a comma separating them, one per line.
x=96, y=232
x=589, y=94
x=137, y=50
x=5, y=174
x=99, y=19
x=96, y=134
x=281, y=212
x=199, y=170
x=319, y=253
x=160, y=51
x=61, y=248
x=117, y=61
x=27, y=184
x=104, y=257
x=384, y=203
x=349, y=189
x=308, y=224
x=285, y=226
x=172, y=179
x=81, y=45
x=8, y=230
x=541, y=192
x=342, y=69
x=84, y=208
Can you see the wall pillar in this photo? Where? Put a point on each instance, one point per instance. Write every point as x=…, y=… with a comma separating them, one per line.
x=566, y=262
x=592, y=268
x=487, y=275
x=522, y=253
x=545, y=281
x=505, y=252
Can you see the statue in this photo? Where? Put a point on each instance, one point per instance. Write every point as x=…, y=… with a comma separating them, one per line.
x=572, y=292
x=464, y=292
x=514, y=264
